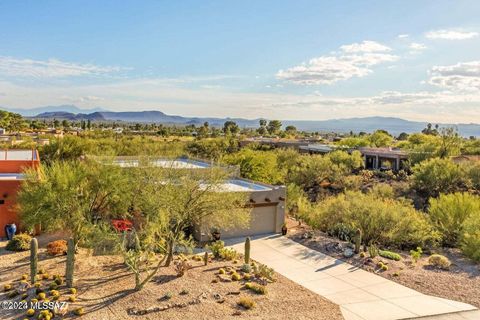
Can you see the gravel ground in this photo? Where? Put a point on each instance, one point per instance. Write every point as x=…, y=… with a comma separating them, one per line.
x=460, y=283
x=104, y=289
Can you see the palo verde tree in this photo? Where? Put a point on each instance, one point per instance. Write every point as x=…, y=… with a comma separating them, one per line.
x=195, y=198
x=169, y=201
x=72, y=196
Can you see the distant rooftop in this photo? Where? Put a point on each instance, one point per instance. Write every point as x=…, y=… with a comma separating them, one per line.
x=18, y=155
x=240, y=185
x=180, y=163
x=317, y=147
x=383, y=151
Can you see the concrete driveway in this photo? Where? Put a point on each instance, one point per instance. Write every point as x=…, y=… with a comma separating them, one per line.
x=360, y=294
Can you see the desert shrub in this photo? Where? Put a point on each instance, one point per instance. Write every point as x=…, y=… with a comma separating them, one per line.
x=72, y=298
x=436, y=175
x=381, y=219
x=246, y=303
x=255, y=287
x=263, y=271
x=389, y=255
x=384, y=267
x=439, y=261
x=228, y=253
x=30, y=312
x=181, y=267
x=416, y=254
x=449, y=212
x=221, y=271
x=57, y=247
x=342, y=231
x=73, y=290
x=19, y=242
x=470, y=240
x=216, y=248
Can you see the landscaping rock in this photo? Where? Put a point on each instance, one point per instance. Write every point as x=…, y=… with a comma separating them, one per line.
x=348, y=252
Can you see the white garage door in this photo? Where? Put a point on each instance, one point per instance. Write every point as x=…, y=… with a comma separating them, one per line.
x=262, y=222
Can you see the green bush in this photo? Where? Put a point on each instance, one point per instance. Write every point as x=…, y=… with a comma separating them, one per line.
x=255, y=287
x=416, y=254
x=228, y=253
x=381, y=219
x=470, y=240
x=19, y=242
x=263, y=271
x=246, y=302
x=436, y=175
x=439, y=261
x=216, y=248
x=449, y=212
x=389, y=255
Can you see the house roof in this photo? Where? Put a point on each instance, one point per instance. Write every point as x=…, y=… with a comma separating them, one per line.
x=18, y=155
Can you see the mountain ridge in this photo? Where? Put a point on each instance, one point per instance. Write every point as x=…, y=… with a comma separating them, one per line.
x=393, y=125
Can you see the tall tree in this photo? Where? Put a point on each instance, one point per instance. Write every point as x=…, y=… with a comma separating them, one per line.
x=274, y=126
x=230, y=128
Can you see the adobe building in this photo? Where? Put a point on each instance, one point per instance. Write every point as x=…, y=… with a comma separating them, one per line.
x=267, y=202
x=384, y=158
x=12, y=165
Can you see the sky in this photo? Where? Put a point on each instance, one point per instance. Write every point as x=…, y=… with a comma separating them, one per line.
x=297, y=60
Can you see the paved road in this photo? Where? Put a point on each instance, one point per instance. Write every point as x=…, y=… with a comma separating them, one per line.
x=360, y=294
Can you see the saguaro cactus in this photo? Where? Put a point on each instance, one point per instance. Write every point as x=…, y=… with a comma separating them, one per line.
x=70, y=262
x=33, y=259
x=358, y=240
x=247, y=250
x=205, y=258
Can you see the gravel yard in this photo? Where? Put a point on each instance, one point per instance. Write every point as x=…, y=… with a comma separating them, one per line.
x=104, y=290
x=461, y=282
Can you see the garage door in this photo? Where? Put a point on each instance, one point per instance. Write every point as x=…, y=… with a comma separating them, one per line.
x=262, y=222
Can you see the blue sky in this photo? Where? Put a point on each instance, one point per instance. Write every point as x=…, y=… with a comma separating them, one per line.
x=417, y=60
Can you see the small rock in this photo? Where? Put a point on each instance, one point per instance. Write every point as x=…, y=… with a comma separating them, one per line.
x=348, y=253
x=237, y=313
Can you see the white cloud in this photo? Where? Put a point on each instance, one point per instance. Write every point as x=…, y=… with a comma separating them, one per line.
x=402, y=36
x=354, y=60
x=451, y=34
x=463, y=76
x=365, y=46
x=51, y=68
x=414, y=46
x=172, y=98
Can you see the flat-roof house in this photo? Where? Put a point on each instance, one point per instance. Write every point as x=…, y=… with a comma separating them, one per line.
x=12, y=165
x=267, y=201
x=384, y=158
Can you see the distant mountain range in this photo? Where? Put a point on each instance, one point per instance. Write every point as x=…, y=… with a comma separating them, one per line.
x=368, y=124
x=62, y=108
